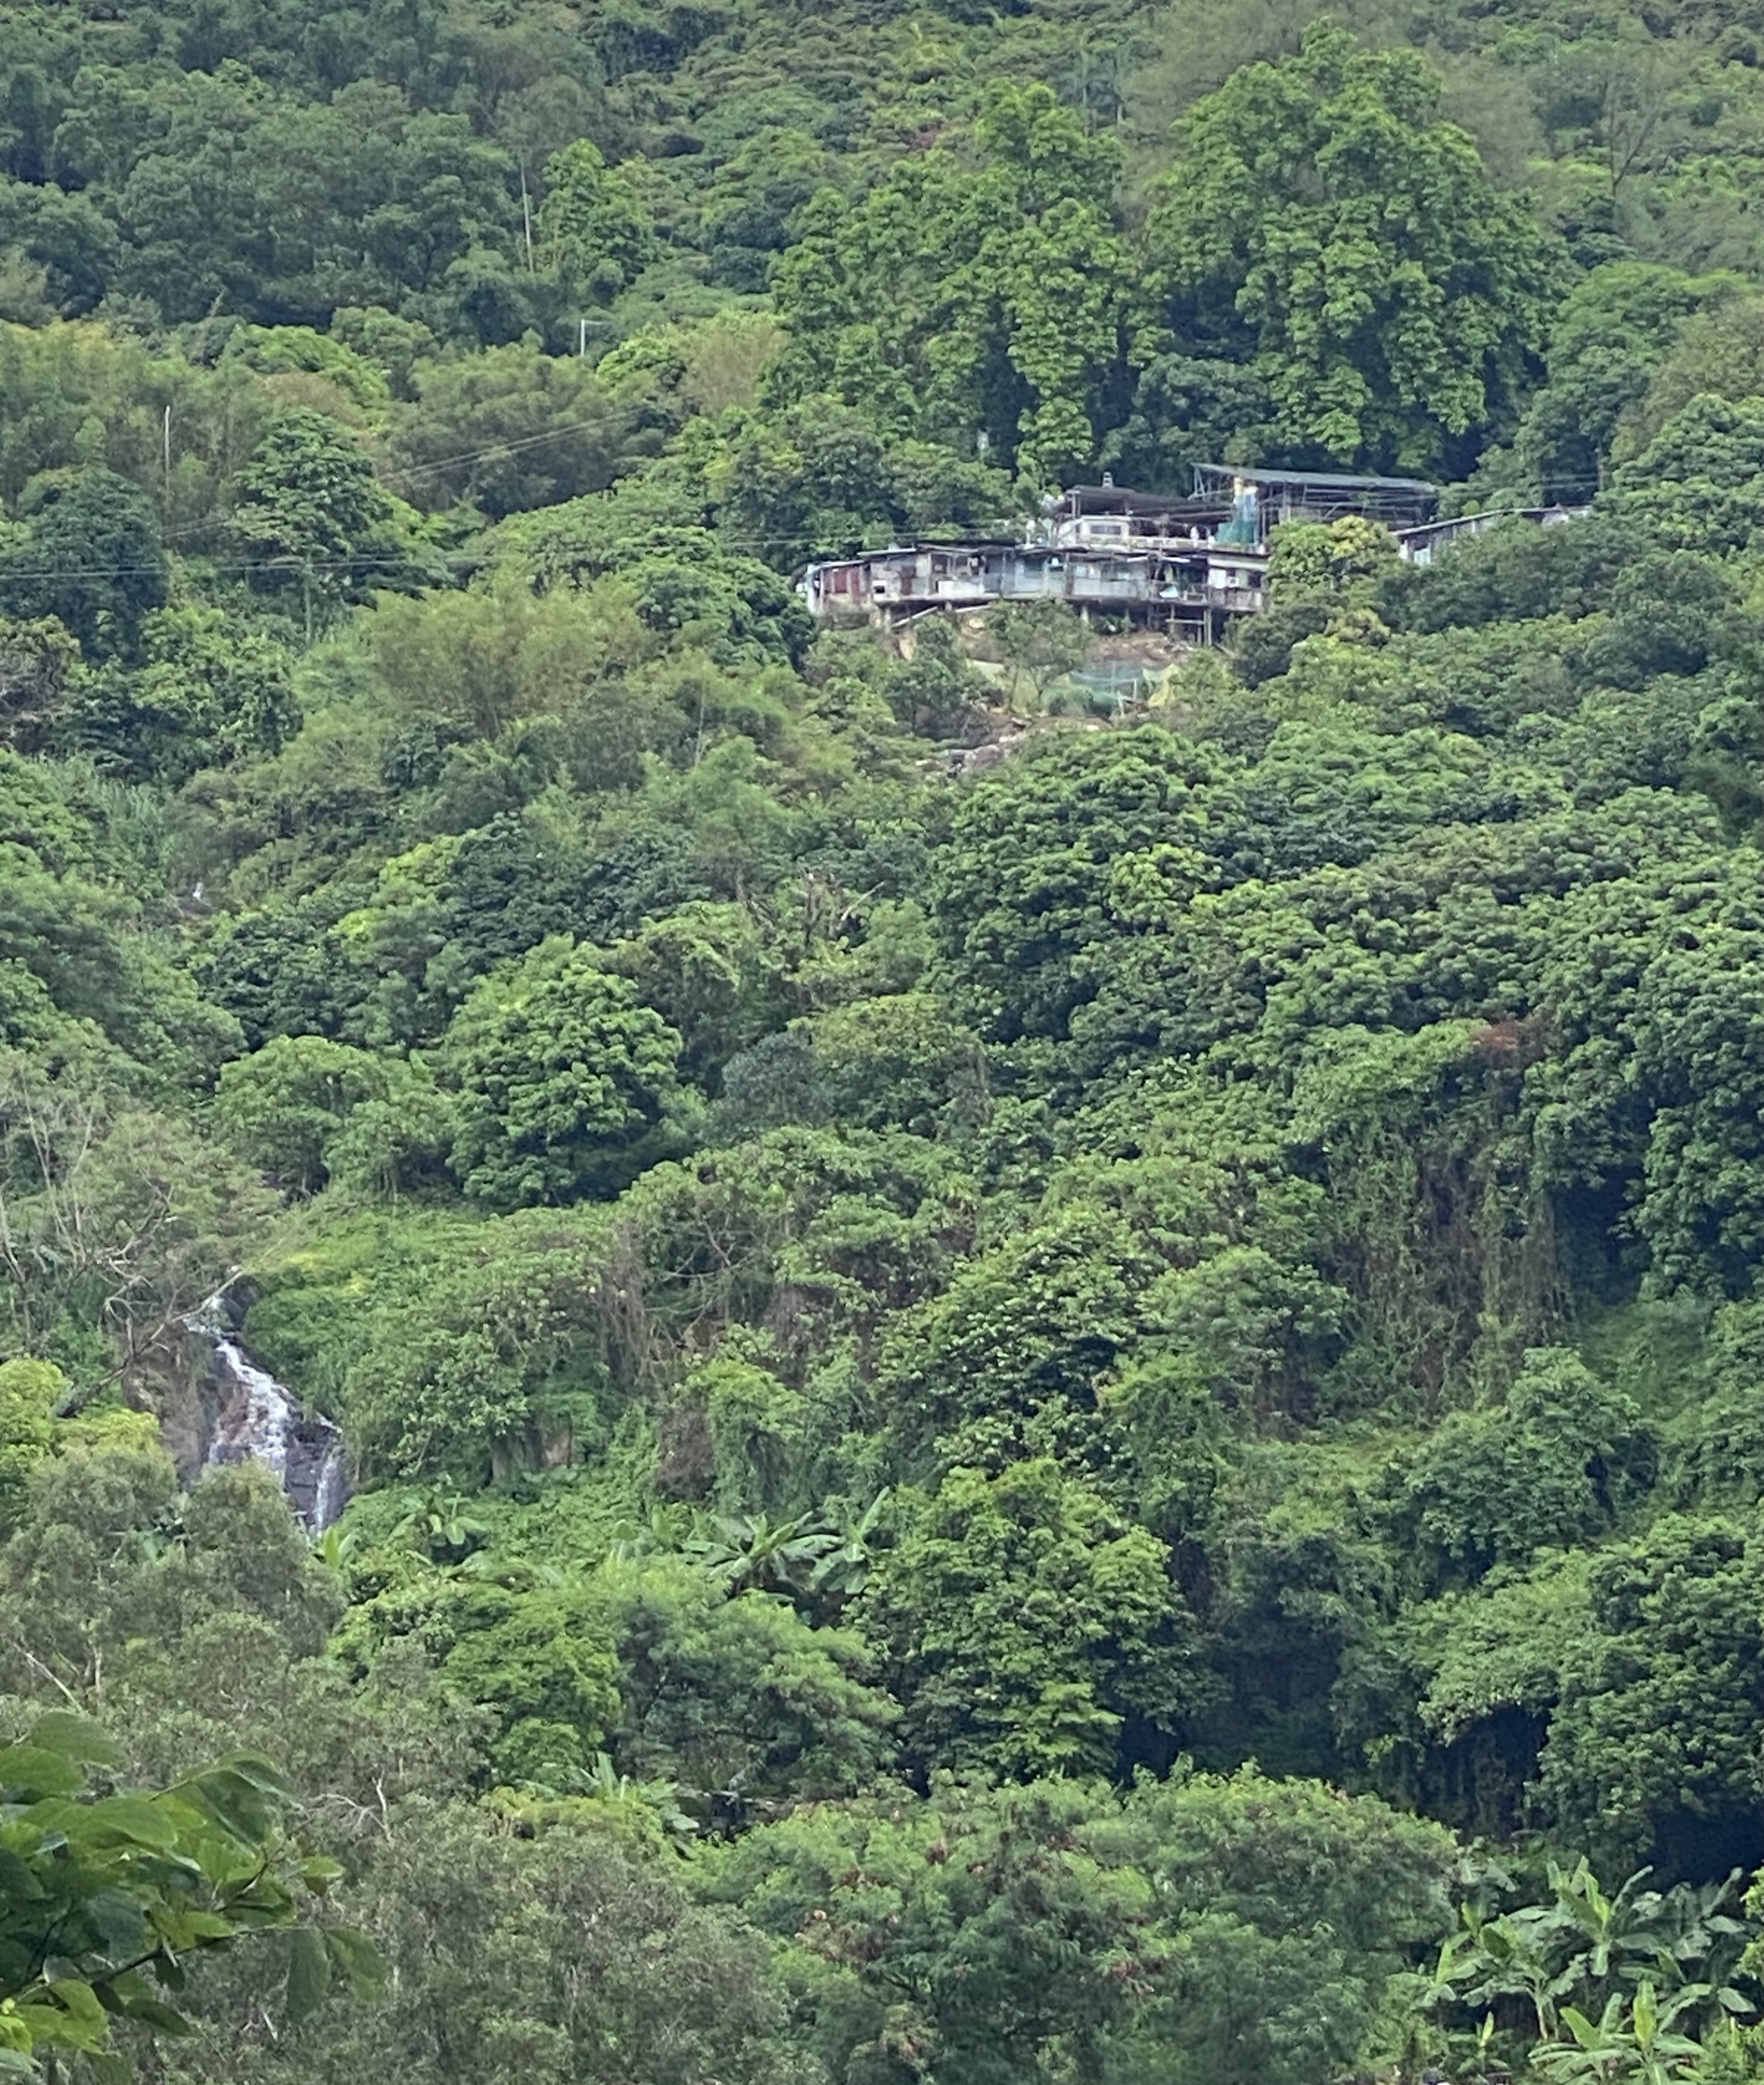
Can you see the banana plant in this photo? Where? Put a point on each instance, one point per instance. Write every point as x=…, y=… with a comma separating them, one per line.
x=335, y=1546
x=1509, y=1957
x=440, y=1526
x=1616, y=1929
x=799, y=1557
x=1704, y=1932
x=756, y=1553
x=1582, y=1944
x=843, y=1572
x=660, y=1535
x=603, y=1783
x=1634, y=2041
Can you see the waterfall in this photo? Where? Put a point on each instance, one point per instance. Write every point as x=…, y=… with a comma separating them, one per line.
x=258, y=1419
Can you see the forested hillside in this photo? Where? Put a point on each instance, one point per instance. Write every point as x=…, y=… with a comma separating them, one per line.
x=1035, y=1395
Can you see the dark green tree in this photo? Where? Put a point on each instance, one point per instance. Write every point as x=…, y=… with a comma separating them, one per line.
x=1647, y=1756
x=89, y=555
x=1553, y=1465
x=1610, y=333
x=286, y=1107
x=1323, y=224
x=1699, y=483
x=566, y=1081
x=503, y=431
x=957, y=299
x=1026, y=1623
x=311, y=518
x=205, y=695
x=109, y=1895
x=595, y=234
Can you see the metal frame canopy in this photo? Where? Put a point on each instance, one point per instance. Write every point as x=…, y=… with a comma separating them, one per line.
x=1324, y=495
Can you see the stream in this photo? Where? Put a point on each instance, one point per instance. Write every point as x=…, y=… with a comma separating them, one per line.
x=258, y=1419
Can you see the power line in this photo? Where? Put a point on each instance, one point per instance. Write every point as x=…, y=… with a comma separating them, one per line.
x=928, y=532
x=463, y=560
x=480, y=560
x=489, y=451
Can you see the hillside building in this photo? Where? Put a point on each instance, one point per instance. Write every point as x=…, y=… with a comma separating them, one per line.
x=1188, y=565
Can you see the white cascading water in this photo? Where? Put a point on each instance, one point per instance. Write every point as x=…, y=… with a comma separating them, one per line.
x=259, y=1419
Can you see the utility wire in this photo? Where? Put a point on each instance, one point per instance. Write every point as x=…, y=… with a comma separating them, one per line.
x=489, y=451
x=467, y=560
x=488, y=560
x=463, y=560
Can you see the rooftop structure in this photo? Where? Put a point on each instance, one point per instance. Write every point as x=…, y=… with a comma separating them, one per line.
x=1420, y=546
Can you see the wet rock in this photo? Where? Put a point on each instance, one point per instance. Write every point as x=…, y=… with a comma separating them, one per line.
x=242, y=1414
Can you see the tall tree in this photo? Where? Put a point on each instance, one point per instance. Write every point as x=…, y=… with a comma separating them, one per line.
x=1026, y=1623
x=980, y=294
x=566, y=1081
x=89, y=555
x=595, y=234
x=1324, y=225
x=311, y=516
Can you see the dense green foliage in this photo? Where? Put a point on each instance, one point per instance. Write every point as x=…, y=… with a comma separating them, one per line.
x=1030, y=1398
